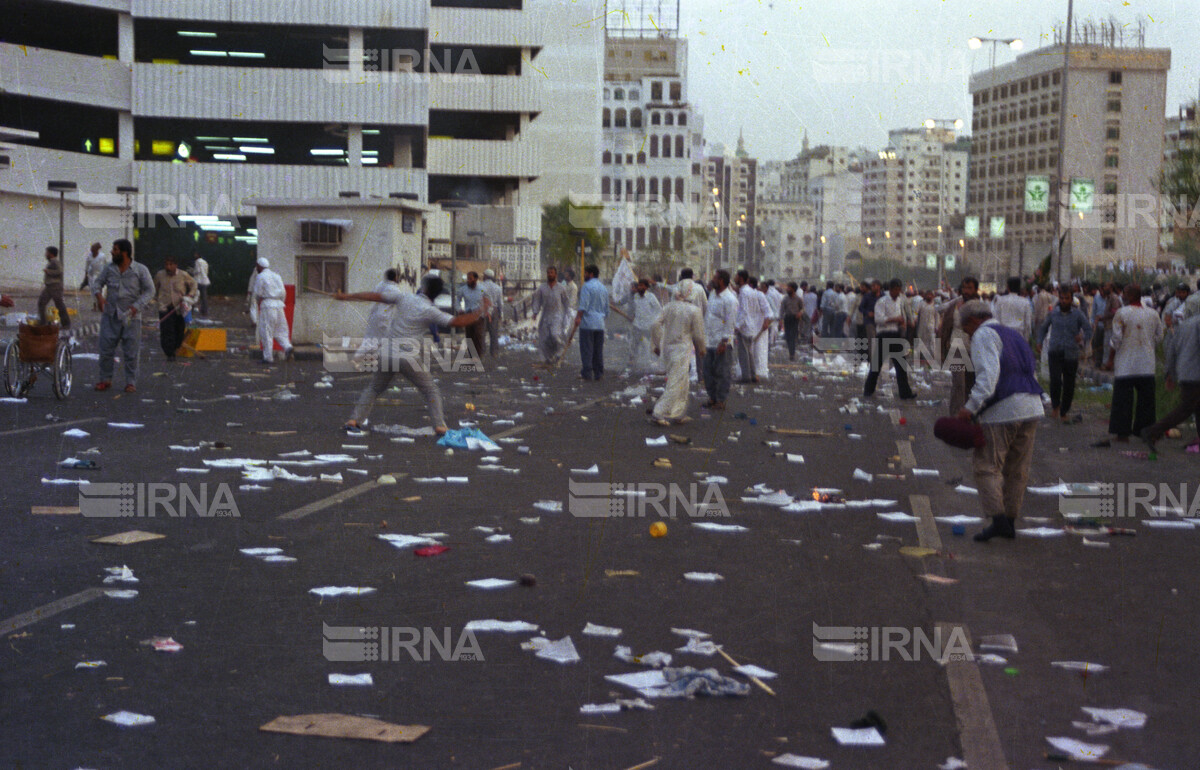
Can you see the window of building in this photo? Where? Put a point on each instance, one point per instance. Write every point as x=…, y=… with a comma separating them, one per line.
x=666, y=146
x=655, y=119
x=606, y=159
x=1055, y=78
x=619, y=94
x=676, y=91
x=654, y=188
x=629, y=159
x=683, y=118
x=619, y=118
x=1112, y=161
x=679, y=146
x=1112, y=132
x=324, y=275
x=607, y=93
x=605, y=186
x=634, y=95
x=618, y=159
x=1114, y=105
x=641, y=158
x=669, y=119
x=1110, y=188
x=635, y=118
x=607, y=121
x=656, y=91
x=679, y=188
x=1108, y=243
x=1114, y=77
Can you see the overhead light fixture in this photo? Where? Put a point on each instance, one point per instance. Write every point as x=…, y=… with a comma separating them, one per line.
x=250, y=140
x=257, y=150
x=1016, y=44
x=194, y=33
x=247, y=54
x=975, y=43
x=198, y=218
x=201, y=52
x=228, y=156
x=370, y=161
x=327, y=152
x=371, y=132
x=212, y=139
x=184, y=150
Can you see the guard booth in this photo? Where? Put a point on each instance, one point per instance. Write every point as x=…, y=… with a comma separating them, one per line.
x=321, y=246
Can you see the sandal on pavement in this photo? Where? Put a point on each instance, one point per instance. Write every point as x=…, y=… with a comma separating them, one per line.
x=130, y=389
x=105, y=385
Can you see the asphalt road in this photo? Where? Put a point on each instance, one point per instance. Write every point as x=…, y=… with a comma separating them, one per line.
x=252, y=633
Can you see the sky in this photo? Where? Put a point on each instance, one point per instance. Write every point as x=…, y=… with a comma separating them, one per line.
x=847, y=71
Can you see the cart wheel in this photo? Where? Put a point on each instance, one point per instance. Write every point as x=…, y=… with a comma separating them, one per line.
x=16, y=372
x=62, y=370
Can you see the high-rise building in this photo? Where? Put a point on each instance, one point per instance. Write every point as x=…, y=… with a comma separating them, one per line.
x=837, y=201
x=912, y=192
x=1112, y=146
x=787, y=240
x=202, y=105
x=652, y=138
x=728, y=209
x=1180, y=132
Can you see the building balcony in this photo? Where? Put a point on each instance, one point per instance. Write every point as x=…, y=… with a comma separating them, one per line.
x=64, y=77
x=280, y=95
x=478, y=157
x=486, y=93
x=221, y=187
x=484, y=27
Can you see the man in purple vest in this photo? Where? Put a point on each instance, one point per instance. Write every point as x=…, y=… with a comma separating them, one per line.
x=1007, y=401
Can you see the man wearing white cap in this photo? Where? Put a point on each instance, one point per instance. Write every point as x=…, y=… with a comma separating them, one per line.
x=495, y=314
x=269, y=295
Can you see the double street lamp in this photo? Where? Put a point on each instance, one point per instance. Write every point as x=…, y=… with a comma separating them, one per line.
x=62, y=188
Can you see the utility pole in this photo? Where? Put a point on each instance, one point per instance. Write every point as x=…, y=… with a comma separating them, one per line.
x=1060, y=207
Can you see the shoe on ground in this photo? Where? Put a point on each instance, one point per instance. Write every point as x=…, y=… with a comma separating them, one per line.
x=1001, y=526
x=353, y=430
x=130, y=388
x=104, y=385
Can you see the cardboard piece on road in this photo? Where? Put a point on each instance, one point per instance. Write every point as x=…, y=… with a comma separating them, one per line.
x=54, y=510
x=127, y=538
x=917, y=551
x=344, y=726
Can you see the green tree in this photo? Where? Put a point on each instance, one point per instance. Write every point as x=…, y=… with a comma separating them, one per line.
x=564, y=224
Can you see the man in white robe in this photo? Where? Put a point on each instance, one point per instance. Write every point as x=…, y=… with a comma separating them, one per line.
x=678, y=337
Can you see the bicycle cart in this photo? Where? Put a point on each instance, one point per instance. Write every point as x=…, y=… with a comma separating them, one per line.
x=37, y=350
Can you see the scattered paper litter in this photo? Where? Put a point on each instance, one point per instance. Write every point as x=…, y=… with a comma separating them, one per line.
x=779, y=499
x=325, y=591
x=940, y=580
x=600, y=708
x=64, y=481
x=90, y=664
x=655, y=659
x=120, y=574
x=714, y=480
x=714, y=527
x=861, y=475
x=491, y=583
x=344, y=726
x=120, y=593
x=660, y=441
x=805, y=763
x=498, y=539
x=1080, y=666
x=749, y=670
x=503, y=626
x=896, y=516
x=690, y=633
x=964, y=489
x=958, y=519
x=1053, y=489
x=791, y=458
x=76, y=433
x=1040, y=531
x=926, y=472
x=408, y=541
x=862, y=736
x=530, y=519
x=278, y=558
x=591, y=629
x=999, y=643
x=1119, y=717
x=362, y=680
x=126, y=425
x=953, y=763
x=549, y=506
x=334, y=478
x=179, y=448
x=128, y=719
x=1085, y=752
x=702, y=577
x=165, y=644
x=697, y=647
x=1167, y=524
x=561, y=651
x=592, y=471
x=127, y=538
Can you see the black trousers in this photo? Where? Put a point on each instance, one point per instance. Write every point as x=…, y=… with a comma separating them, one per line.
x=791, y=332
x=1123, y=420
x=171, y=330
x=889, y=345
x=1189, y=405
x=1062, y=381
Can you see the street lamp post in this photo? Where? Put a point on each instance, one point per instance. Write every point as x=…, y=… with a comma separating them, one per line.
x=1015, y=43
x=62, y=188
x=453, y=206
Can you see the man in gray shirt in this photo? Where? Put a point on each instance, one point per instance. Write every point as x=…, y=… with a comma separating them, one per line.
x=130, y=291
x=1068, y=329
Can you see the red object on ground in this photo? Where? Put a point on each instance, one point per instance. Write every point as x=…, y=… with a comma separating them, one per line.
x=904, y=421
x=430, y=550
